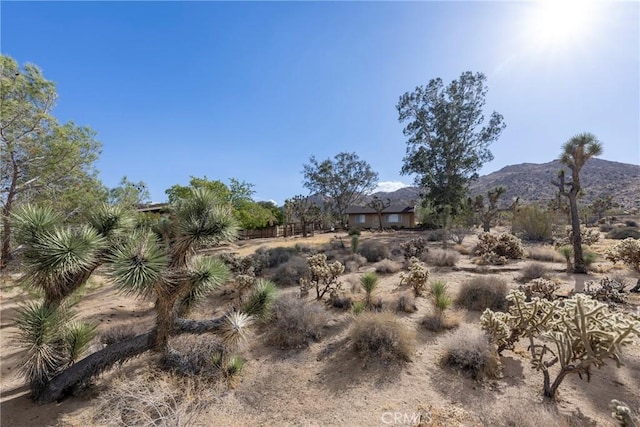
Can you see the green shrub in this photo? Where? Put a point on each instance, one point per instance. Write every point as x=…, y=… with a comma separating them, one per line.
x=374, y=251
x=354, y=232
x=382, y=336
x=623, y=233
x=369, y=282
x=295, y=323
x=470, y=350
x=358, y=307
x=533, y=223
x=355, y=240
x=290, y=273
x=627, y=251
x=480, y=293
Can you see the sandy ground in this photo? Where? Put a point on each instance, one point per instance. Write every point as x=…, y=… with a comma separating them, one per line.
x=328, y=384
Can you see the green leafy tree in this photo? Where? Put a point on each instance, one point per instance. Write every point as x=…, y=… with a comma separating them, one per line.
x=40, y=159
x=343, y=180
x=448, y=137
x=129, y=194
x=60, y=258
x=575, y=153
x=237, y=195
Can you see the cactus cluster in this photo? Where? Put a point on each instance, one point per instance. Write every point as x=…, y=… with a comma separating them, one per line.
x=627, y=251
x=498, y=249
x=322, y=276
x=590, y=236
x=540, y=288
x=607, y=291
x=416, y=277
x=414, y=247
x=577, y=334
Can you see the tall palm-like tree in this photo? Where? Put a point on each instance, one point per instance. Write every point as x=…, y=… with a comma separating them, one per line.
x=161, y=262
x=575, y=153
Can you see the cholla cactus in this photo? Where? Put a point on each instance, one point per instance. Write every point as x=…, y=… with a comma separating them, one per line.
x=590, y=236
x=497, y=249
x=414, y=247
x=576, y=334
x=607, y=291
x=322, y=276
x=627, y=251
x=622, y=413
x=540, y=288
x=416, y=277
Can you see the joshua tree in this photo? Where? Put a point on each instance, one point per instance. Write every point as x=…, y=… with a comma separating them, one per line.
x=159, y=262
x=379, y=206
x=575, y=154
x=488, y=213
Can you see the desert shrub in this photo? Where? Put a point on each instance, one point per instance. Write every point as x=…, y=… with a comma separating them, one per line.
x=277, y=256
x=631, y=223
x=606, y=228
x=589, y=236
x=355, y=241
x=369, y=282
x=374, y=251
x=295, y=323
x=442, y=258
x=575, y=335
x=533, y=223
x=469, y=349
x=358, y=307
x=322, y=276
x=406, y=303
x=457, y=234
x=353, y=262
x=436, y=321
x=387, y=266
x=546, y=254
x=413, y=247
x=589, y=258
x=539, y=288
x=480, y=293
x=290, y=273
x=199, y=356
x=121, y=333
x=354, y=232
x=340, y=301
x=627, y=251
x=533, y=270
x=498, y=249
x=435, y=235
x=153, y=399
x=567, y=254
x=382, y=336
x=623, y=233
x=416, y=277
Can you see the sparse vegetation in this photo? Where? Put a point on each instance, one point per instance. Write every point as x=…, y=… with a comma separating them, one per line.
x=296, y=323
x=626, y=251
x=441, y=301
x=545, y=254
x=620, y=233
x=533, y=270
x=382, y=336
x=480, y=293
x=290, y=273
x=469, y=349
x=406, y=303
x=387, y=266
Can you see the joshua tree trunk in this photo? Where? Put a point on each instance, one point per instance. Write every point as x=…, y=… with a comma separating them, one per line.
x=578, y=257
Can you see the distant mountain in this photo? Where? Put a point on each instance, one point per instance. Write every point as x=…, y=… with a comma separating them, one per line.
x=532, y=183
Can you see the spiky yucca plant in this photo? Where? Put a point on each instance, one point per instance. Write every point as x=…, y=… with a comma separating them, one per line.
x=369, y=282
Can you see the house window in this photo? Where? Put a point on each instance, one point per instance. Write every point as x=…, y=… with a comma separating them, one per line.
x=393, y=218
x=361, y=219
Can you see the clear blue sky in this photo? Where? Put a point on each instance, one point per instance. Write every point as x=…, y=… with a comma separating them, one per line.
x=252, y=90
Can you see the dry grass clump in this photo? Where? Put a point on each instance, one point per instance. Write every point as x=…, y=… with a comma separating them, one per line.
x=469, y=349
x=442, y=258
x=483, y=292
x=387, y=266
x=290, y=273
x=295, y=323
x=382, y=336
x=273, y=257
x=528, y=414
x=406, y=303
x=545, y=254
x=153, y=399
x=533, y=270
x=353, y=262
x=121, y=333
x=374, y=250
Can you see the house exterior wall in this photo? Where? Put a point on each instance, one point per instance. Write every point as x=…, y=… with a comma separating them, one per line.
x=406, y=220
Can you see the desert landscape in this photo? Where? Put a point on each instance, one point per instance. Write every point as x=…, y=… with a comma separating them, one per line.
x=324, y=380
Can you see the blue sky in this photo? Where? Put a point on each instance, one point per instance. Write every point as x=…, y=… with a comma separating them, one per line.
x=251, y=90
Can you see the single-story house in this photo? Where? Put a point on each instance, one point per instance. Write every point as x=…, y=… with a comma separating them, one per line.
x=394, y=216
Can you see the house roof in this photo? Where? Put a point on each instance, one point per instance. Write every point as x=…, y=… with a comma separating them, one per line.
x=393, y=209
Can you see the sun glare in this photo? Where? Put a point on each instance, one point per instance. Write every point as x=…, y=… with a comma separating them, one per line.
x=557, y=24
